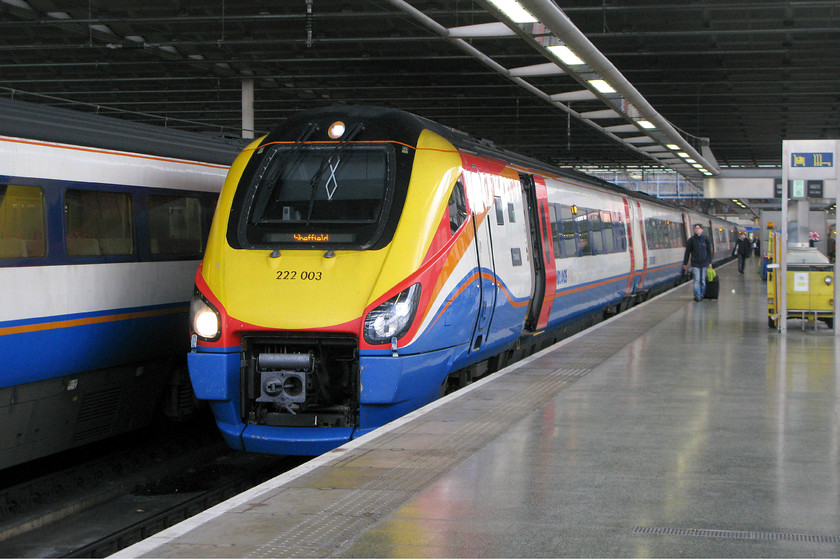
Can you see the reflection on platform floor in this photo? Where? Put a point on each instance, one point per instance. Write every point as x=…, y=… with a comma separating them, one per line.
x=679, y=429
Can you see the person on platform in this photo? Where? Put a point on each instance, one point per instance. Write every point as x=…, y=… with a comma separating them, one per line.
x=699, y=250
x=742, y=250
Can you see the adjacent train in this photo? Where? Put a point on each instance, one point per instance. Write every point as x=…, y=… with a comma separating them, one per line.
x=363, y=260
x=102, y=226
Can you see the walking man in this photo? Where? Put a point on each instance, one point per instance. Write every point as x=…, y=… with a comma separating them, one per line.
x=699, y=250
x=742, y=250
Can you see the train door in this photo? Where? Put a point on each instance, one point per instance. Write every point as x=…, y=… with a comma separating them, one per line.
x=640, y=220
x=486, y=280
x=686, y=228
x=543, y=261
x=711, y=235
x=631, y=246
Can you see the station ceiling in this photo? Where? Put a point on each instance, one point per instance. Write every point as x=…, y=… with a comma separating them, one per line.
x=743, y=74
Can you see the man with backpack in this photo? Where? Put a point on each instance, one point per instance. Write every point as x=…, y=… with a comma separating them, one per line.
x=699, y=250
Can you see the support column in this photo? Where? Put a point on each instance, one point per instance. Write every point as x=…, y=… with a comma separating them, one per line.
x=248, y=108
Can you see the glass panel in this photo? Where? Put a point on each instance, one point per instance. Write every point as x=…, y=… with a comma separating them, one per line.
x=582, y=222
x=597, y=236
x=175, y=225
x=22, y=230
x=324, y=194
x=98, y=223
x=457, y=207
x=569, y=232
x=555, y=232
x=608, y=236
x=500, y=211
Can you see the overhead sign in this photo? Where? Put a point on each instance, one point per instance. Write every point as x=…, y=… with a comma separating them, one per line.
x=818, y=159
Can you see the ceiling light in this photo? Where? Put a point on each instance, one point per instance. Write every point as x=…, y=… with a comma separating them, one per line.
x=565, y=54
x=514, y=10
x=646, y=124
x=672, y=146
x=602, y=86
x=689, y=160
x=683, y=154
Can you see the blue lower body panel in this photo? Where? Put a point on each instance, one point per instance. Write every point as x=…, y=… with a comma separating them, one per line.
x=390, y=387
x=393, y=386
x=293, y=441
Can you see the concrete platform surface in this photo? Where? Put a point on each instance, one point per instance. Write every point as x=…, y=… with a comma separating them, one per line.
x=677, y=429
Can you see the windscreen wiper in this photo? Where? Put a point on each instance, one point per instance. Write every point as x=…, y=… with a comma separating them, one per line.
x=265, y=196
x=327, y=162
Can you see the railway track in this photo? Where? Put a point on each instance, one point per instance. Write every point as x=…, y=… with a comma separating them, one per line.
x=93, y=508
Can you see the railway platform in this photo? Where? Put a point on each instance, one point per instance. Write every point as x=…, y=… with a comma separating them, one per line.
x=676, y=429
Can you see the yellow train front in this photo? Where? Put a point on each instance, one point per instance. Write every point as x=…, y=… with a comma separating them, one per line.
x=332, y=236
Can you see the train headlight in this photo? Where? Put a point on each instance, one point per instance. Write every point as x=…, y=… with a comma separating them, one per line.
x=828, y=280
x=393, y=318
x=205, y=321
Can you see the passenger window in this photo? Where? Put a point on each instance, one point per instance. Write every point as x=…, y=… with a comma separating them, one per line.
x=582, y=222
x=609, y=239
x=22, y=229
x=555, y=232
x=175, y=225
x=98, y=223
x=569, y=232
x=511, y=213
x=620, y=232
x=457, y=206
x=597, y=235
x=500, y=212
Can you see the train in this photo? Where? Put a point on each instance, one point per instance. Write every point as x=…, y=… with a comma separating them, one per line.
x=102, y=225
x=364, y=261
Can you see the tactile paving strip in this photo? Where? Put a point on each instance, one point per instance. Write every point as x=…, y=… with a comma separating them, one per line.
x=508, y=399
x=748, y=535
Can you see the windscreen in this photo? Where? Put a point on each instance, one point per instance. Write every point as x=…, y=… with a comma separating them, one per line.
x=336, y=195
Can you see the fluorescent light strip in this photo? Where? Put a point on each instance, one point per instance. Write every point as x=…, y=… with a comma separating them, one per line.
x=646, y=124
x=602, y=86
x=565, y=54
x=514, y=10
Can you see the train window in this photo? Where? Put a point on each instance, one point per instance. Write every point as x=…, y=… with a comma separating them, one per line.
x=608, y=235
x=511, y=213
x=500, y=211
x=98, y=223
x=582, y=223
x=620, y=232
x=570, y=237
x=457, y=206
x=556, y=238
x=335, y=195
x=597, y=232
x=175, y=225
x=22, y=230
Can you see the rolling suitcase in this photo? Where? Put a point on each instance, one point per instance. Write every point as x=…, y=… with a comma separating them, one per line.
x=712, y=288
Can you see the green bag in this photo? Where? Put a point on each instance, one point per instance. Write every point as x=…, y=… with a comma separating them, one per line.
x=710, y=274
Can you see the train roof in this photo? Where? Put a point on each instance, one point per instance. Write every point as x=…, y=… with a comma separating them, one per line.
x=464, y=141
x=51, y=124
x=410, y=123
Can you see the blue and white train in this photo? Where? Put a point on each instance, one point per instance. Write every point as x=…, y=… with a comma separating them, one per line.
x=363, y=260
x=102, y=225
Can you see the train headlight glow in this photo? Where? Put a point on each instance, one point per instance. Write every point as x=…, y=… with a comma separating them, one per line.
x=336, y=130
x=393, y=318
x=828, y=280
x=204, y=319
